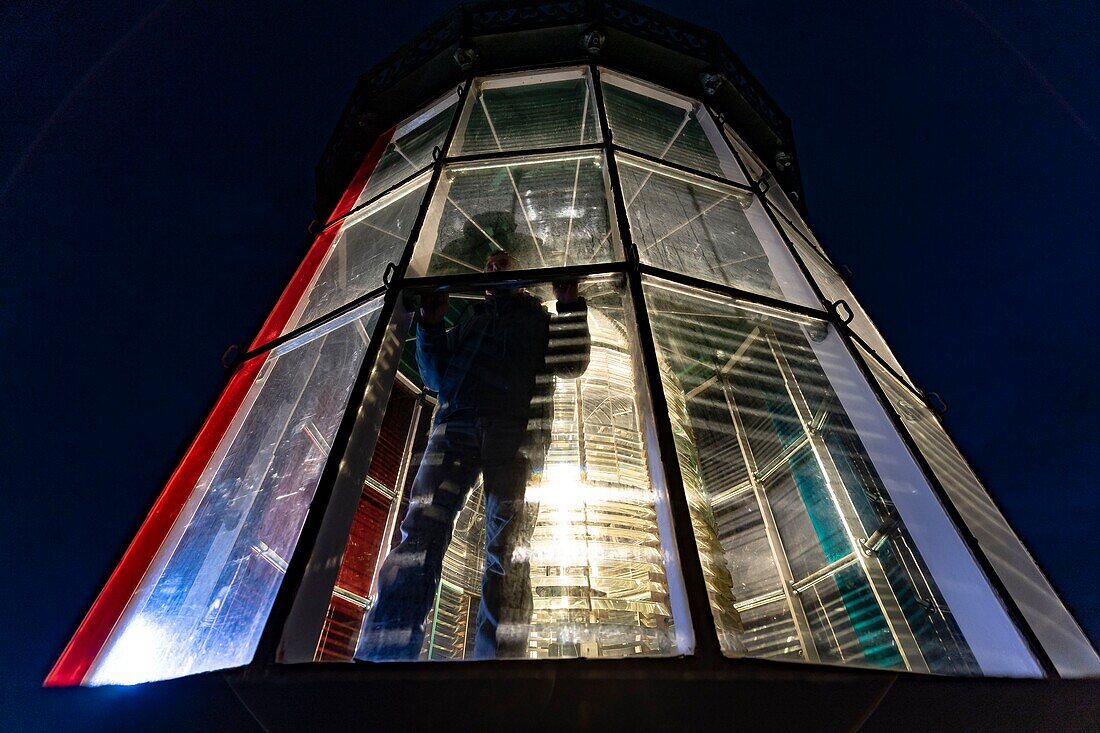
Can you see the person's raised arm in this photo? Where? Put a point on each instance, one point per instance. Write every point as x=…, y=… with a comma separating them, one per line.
x=433, y=350
x=570, y=345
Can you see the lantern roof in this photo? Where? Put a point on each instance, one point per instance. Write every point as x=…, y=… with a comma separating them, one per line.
x=488, y=37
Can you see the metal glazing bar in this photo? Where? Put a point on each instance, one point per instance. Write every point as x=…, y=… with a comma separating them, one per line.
x=375, y=198
x=849, y=517
x=699, y=609
x=877, y=358
x=522, y=155
x=514, y=278
x=771, y=530
x=736, y=293
x=315, y=323
x=681, y=168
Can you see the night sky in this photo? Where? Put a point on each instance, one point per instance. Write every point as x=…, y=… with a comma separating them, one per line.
x=156, y=182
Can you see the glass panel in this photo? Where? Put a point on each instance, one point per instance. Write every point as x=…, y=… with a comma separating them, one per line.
x=848, y=625
x=786, y=210
x=823, y=511
x=689, y=225
x=410, y=149
x=203, y=603
x=368, y=241
x=834, y=288
x=547, y=211
x=528, y=112
x=770, y=632
x=522, y=516
x=1053, y=624
x=748, y=158
x=667, y=126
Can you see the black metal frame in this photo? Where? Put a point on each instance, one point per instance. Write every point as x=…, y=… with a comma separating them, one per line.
x=707, y=654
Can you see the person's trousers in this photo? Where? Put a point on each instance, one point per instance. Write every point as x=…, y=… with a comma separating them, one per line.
x=457, y=452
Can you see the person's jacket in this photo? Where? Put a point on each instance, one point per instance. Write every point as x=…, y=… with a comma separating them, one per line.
x=500, y=360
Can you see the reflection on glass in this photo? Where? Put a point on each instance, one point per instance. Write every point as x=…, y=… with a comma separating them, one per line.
x=822, y=565
x=524, y=523
x=369, y=240
x=528, y=112
x=667, y=126
x=546, y=211
x=411, y=148
x=204, y=601
x=706, y=230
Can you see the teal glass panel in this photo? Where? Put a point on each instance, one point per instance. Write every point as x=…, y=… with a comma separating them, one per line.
x=821, y=565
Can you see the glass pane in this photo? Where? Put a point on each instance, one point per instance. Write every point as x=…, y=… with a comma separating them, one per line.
x=523, y=519
x=691, y=226
x=748, y=158
x=528, y=112
x=368, y=241
x=667, y=126
x=1032, y=592
x=204, y=601
x=822, y=510
x=848, y=625
x=410, y=149
x=770, y=631
x=546, y=211
x=786, y=210
x=834, y=288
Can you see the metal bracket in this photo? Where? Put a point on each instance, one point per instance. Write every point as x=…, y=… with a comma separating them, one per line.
x=941, y=407
x=387, y=275
x=229, y=356
x=836, y=305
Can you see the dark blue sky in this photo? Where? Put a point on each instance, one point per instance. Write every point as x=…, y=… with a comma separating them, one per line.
x=156, y=181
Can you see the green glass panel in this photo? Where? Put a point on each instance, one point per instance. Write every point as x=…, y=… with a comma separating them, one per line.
x=804, y=521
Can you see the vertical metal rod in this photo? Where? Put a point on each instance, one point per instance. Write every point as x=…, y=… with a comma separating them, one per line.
x=268, y=646
x=399, y=492
x=702, y=617
x=771, y=529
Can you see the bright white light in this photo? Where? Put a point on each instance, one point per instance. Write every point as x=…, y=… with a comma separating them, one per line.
x=140, y=654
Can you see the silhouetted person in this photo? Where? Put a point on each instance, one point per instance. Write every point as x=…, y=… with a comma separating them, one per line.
x=494, y=376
